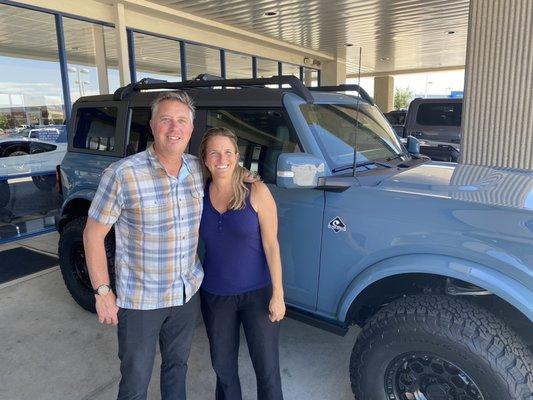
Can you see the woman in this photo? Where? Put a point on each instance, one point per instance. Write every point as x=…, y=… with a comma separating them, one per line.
x=242, y=265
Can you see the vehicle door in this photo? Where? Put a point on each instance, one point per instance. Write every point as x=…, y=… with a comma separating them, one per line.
x=265, y=133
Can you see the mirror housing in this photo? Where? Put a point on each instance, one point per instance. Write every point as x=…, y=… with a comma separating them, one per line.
x=299, y=170
x=413, y=145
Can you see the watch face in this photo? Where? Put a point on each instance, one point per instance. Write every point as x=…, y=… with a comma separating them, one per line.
x=103, y=290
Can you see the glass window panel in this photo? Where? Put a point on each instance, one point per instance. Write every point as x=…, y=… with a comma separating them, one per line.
x=95, y=128
x=87, y=61
x=30, y=78
x=113, y=75
x=290, y=69
x=310, y=77
x=202, y=60
x=266, y=68
x=238, y=66
x=157, y=58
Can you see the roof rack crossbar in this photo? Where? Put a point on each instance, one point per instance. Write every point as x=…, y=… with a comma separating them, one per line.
x=146, y=84
x=345, y=87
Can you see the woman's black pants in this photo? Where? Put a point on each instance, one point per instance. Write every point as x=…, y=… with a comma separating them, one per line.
x=223, y=316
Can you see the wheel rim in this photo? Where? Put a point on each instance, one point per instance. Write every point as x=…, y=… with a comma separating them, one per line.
x=79, y=265
x=425, y=376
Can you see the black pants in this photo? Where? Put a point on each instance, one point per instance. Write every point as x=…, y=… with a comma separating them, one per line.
x=223, y=316
x=138, y=332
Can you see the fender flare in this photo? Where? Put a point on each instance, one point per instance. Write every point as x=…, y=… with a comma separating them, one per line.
x=508, y=289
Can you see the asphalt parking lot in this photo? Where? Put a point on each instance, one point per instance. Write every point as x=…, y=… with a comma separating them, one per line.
x=51, y=349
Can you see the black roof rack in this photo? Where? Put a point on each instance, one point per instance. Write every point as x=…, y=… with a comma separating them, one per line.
x=342, y=88
x=150, y=84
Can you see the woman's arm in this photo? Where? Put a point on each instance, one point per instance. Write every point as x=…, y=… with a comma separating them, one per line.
x=264, y=204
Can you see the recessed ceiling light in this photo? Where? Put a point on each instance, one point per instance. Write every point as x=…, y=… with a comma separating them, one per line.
x=384, y=59
x=271, y=13
x=450, y=32
x=349, y=44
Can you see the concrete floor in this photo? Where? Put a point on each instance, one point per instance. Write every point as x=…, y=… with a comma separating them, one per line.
x=51, y=349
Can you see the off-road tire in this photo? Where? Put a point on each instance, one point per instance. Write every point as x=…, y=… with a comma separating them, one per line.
x=446, y=328
x=70, y=240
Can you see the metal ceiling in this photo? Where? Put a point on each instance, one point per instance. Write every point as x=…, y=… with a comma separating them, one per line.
x=395, y=35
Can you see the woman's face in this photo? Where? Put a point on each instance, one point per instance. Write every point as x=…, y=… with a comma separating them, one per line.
x=221, y=156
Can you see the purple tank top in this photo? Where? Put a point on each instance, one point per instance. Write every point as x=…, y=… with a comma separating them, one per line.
x=234, y=260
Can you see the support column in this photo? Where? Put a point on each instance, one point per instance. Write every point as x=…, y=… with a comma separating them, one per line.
x=101, y=62
x=122, y=44
x=384, y=92
x=333, y=73
x=497, y=126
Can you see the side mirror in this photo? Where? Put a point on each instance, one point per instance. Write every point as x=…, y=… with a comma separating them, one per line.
x=299, y=170
x=413, y=145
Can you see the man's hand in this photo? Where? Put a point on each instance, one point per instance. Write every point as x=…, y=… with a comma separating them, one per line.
x=106, y=307
x=276, y=308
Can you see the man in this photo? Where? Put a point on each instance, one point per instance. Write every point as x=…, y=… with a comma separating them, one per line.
x=154, y=200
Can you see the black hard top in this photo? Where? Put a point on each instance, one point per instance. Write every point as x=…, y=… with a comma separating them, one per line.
x=216, y=92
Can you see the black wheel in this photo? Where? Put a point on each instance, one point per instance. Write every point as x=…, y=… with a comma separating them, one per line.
x=5, y=194
x=18, y=153
x=73, y=265
x=44, y=182
x=431, y=347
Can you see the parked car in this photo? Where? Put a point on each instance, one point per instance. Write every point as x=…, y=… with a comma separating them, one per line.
x=433, y=260
x=397, y=120
x=35, y=152
x=437, y=124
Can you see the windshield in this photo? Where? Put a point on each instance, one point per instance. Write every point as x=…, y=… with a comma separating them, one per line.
x=334, y=126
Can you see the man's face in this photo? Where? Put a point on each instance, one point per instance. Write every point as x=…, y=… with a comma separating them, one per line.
x=172, y=127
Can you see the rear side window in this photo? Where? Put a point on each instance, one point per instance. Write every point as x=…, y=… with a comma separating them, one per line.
x=439, y=114
x=95, y=129
x=140, y=136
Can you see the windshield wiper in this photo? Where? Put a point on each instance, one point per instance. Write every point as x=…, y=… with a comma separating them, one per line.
x=361, y=164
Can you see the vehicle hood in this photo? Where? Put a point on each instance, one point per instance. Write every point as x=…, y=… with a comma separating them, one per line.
x=485, y=185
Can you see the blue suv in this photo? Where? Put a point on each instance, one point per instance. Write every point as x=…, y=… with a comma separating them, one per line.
x=433, y=260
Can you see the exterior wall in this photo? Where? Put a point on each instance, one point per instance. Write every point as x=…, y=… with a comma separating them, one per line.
x=333, y=73
x=498, y=102
x=384, y=93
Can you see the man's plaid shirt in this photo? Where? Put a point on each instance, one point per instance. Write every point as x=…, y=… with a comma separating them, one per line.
x=156, y=219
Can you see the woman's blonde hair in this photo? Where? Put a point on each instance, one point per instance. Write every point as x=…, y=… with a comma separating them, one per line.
x=240, y=191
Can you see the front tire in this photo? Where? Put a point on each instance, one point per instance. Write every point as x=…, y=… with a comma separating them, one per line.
x=73, y=265
x=437, y=347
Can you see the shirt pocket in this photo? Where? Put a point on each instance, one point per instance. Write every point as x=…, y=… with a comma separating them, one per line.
x=152, y=216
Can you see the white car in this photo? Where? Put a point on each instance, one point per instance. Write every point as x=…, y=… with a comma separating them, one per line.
x=36, y=153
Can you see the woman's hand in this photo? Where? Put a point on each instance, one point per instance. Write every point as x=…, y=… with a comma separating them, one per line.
x=276, y=308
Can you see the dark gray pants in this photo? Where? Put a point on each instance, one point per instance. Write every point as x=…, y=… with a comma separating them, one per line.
x=138, y=332
x=223, y=316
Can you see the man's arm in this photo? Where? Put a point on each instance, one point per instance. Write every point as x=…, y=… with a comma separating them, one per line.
x=95, y=255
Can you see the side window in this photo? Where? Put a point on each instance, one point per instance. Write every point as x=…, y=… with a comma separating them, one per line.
x=263, y=135
x=95, y=128
x=140, y=133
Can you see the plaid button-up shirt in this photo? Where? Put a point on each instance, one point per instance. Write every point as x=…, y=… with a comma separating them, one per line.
x=156, y=219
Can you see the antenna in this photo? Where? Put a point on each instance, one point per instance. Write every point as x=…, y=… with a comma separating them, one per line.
x=357, y=116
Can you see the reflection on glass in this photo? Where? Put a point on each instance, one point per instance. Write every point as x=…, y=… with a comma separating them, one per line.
x=157, y=58
x=30, y=79
x=340, y=128
x=290, y=69
x=310, y=77
x=266, y=68
x=202, y=60
x=238, y=66
x=87, y=62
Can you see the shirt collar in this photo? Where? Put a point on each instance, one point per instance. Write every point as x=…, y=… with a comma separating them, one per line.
x=155, y=163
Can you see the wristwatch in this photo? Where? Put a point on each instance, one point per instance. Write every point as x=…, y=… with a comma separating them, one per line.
x=102, y=290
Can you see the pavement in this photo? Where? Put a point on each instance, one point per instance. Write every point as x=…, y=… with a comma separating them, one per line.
x=51, y=349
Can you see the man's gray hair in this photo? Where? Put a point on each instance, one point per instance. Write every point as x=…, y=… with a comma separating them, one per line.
x=177, y=95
